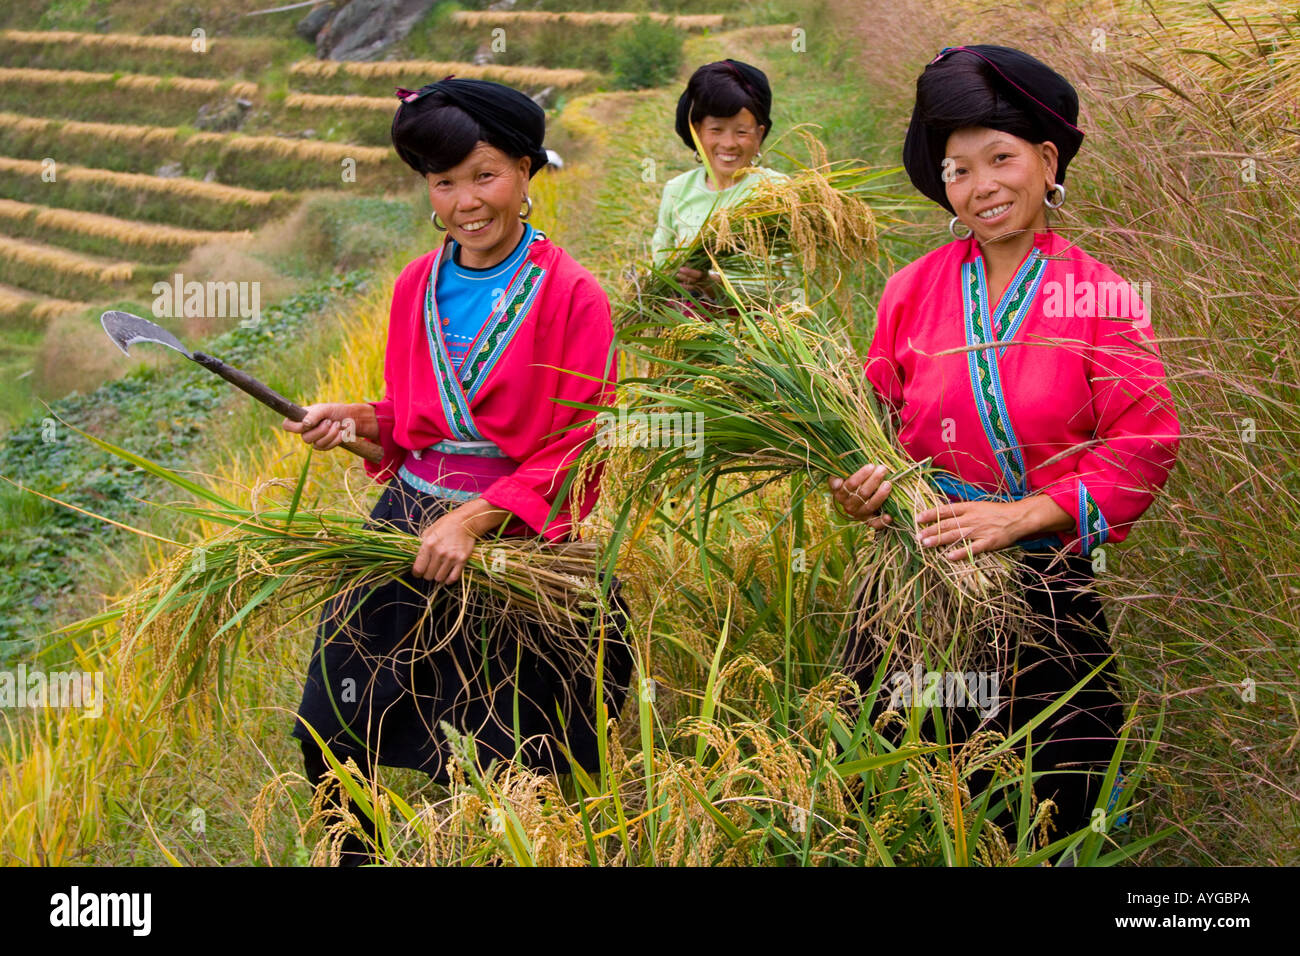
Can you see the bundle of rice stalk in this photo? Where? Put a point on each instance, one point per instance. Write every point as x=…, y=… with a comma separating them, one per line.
x=125, y=231
x=404, y=70
x=817, y=209
x=131, y=81
x=777, y=393
x=69, y=132
x=40, y=256
x=295, y=561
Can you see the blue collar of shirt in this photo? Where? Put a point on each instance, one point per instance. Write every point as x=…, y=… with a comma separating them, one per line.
x=507, y=265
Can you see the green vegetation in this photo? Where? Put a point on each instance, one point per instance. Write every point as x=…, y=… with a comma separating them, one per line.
x=338, y=233
x=87, y=101
x=158, y=412
x=557, y=43
x=646, y=54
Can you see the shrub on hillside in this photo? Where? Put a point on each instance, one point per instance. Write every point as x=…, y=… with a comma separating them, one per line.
x=647, y=54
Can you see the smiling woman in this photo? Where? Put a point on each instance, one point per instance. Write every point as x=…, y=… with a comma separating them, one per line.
x=493, y=339
x=723, y=115
x=1055, y=431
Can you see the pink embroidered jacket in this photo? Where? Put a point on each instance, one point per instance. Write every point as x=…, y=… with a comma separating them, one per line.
x=1070, y=399
x=549, y=341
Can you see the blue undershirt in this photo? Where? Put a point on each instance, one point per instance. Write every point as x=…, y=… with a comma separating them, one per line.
x=467, y=296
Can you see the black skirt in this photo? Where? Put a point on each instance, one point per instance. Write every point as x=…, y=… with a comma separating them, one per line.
x=1068, y=638
x=381, y=682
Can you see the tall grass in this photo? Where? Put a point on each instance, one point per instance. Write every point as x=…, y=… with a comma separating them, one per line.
x=1192, y=186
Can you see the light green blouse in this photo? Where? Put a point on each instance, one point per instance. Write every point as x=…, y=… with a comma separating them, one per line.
x=687, y=202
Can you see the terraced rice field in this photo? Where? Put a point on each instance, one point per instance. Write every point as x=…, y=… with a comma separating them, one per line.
x=108, y=181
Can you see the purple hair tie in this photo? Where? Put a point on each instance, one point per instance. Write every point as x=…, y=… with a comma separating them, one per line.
x=410, y=96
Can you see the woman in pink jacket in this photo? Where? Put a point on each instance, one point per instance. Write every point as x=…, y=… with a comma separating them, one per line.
x=1027, y=370
x=490, y=336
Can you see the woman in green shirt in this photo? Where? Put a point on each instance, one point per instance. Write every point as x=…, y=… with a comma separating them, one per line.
x=729, y=106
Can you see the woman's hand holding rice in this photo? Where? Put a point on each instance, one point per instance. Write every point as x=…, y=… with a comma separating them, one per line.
x=863, y=494
x=695, y=280
x=974, y=526
x=979, y=526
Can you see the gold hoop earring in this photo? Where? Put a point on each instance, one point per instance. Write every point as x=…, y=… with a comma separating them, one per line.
x=436, y=223
x=953, y=223
x=1056, y=188
x=523, y=215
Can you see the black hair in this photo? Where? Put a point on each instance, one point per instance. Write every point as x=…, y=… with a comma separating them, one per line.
x=716, y=92
x=956, y=93
x=723, y=89
x=432, y=134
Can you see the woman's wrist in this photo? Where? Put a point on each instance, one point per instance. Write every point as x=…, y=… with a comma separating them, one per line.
x=478, y=516
x=365, y=421
x=1039, y=515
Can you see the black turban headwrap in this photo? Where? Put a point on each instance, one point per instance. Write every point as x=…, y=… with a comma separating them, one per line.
x=992, y=86
x=751, y=80
x=510, y=120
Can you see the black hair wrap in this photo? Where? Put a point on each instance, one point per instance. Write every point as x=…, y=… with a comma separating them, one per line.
x=992, y=86
x=509, y=119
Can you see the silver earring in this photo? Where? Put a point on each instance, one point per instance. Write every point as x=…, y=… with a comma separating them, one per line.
x=436, y=223
x=757, y=157
x=1056, y=188
x=953, y=223
x=697, y=157
x=523, y=215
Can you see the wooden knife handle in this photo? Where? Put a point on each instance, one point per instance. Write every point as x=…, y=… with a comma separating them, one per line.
x=273, y=399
